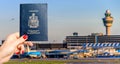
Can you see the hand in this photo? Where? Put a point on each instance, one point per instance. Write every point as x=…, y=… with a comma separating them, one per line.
x=13, y=44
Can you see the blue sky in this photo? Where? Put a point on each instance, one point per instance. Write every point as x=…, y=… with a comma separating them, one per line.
x=64, y=17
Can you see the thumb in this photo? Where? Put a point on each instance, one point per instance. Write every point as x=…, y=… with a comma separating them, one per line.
x=22, y=39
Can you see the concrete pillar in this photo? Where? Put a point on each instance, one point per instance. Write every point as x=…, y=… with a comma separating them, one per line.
x=108, y=31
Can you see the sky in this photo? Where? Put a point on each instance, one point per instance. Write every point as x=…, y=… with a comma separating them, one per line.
x=64, y=17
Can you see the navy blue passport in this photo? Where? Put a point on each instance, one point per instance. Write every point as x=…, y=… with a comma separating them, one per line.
x=33, y=21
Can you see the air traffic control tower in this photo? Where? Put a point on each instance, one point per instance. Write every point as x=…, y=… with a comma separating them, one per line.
x=108, y=20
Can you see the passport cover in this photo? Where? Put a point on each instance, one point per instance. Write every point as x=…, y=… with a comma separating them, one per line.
x=33, y=21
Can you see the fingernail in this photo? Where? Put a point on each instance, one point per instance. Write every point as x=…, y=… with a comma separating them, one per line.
x=25, y=36
x=23, y=52
x=17, y=53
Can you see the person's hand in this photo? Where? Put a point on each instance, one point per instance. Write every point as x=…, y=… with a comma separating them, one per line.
x=13, y=44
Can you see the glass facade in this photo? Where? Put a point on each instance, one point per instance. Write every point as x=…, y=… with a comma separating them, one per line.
x=78, y=41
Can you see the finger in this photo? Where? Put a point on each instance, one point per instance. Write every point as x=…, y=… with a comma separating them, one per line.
x=28, y=43
x=21, y=40
x=16, y=35
x=22, y=48
x=12, y=37
x=17, y=51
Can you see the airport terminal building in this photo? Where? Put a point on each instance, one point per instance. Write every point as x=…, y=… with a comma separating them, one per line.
x=76, y=42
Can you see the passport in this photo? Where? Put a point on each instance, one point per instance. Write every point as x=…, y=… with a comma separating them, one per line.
x=33, y=21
